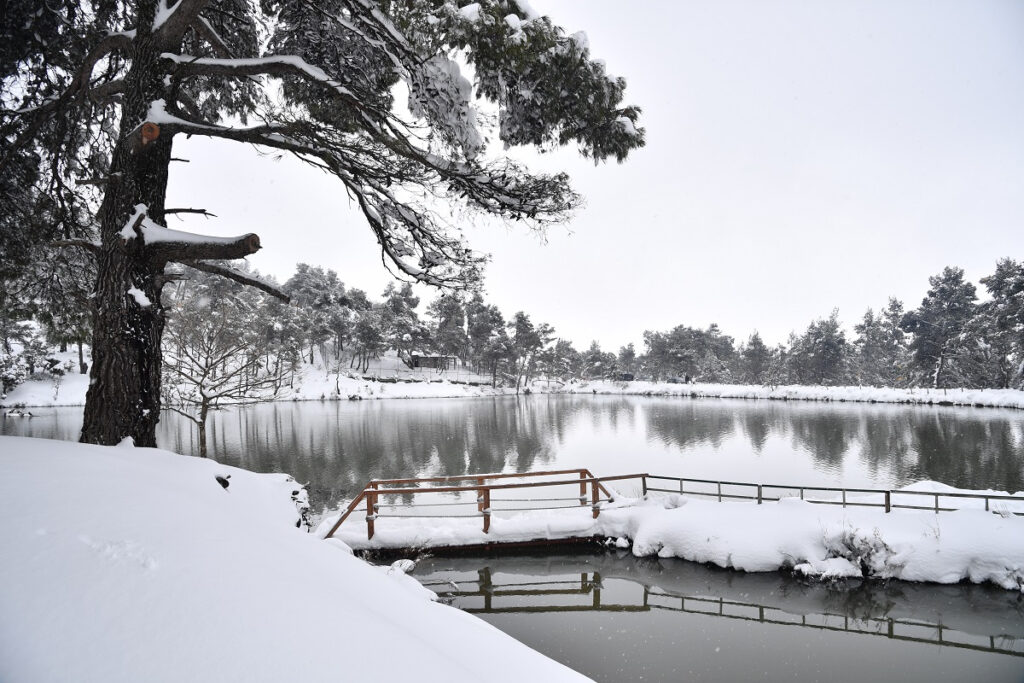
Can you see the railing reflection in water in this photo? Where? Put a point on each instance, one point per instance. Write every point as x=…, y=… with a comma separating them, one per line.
x=590, y=585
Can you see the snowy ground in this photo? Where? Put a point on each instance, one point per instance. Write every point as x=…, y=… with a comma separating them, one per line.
x=989, y=398
x=125, y=564
x=817, y=540
x=316, y=383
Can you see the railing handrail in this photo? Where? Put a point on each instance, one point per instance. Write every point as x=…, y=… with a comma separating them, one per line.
x=502, y=487
x=944, y=494
x=371, y=491
x=463, y=477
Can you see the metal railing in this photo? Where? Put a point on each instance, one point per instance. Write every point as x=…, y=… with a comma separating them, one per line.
x=847, y=497
x=380, y=489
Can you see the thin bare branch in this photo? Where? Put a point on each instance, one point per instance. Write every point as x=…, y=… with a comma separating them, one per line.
x=238, y=276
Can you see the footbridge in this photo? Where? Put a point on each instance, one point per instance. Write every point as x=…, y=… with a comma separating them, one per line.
x=562, y=506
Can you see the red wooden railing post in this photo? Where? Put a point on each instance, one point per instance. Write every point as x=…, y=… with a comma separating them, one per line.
x=595, y=497
x=583, y=488
x=371, y=512
x=487, y=510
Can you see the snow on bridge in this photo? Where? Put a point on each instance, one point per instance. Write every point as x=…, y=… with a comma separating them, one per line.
x=923, y=532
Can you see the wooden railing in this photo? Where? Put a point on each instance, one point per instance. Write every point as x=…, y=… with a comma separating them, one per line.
x=379, y=489
x=848, y=497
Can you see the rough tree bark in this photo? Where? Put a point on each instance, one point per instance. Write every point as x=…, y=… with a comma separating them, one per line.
x=124, y=383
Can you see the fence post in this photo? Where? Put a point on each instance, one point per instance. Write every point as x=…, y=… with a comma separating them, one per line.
x=936, y=503
x=371, y=512
x=595, y=496
x=719, y=491
x=888, y=501
x=583, y=488
x=758, y=494
x=487, y=510
x=844, y=497
x=479, y=496
x=643, y=480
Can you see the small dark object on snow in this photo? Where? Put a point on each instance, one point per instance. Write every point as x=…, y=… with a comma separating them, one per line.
x=223, y=481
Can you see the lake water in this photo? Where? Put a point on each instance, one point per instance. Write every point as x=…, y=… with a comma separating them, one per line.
x=663, y=620
x=617, y=618
x=337, y=446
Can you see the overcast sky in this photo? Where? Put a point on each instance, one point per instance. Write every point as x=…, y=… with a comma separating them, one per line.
x=800, y=156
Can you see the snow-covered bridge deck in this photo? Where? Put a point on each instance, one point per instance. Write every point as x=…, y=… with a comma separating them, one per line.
x=487, y=510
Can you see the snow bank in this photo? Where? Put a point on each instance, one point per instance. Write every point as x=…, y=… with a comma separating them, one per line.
x=125, y=564
x=314, y=383
x=817, y=540
x=988, y=398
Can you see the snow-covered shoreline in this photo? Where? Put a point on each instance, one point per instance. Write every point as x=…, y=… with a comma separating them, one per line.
x=125, y=564
x=315, y=385
x=823, y=541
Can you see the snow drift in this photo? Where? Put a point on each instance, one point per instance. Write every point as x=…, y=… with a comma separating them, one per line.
x=125, y=564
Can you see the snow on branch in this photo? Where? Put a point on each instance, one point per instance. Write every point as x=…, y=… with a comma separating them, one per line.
x=78, y=88
x=279, y=65
x=238, y=276
x=164, y=244
x=172, y=21
x=205, y=29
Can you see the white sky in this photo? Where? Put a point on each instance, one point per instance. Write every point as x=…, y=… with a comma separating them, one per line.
x=800, y=156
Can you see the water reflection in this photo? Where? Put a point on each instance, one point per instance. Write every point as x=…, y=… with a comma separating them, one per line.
x=338, y=446
x=547, y=601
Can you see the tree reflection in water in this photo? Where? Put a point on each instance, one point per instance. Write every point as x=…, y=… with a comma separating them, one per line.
x=338, y=446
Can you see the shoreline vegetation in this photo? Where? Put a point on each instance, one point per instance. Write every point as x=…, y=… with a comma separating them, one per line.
x=315, y=385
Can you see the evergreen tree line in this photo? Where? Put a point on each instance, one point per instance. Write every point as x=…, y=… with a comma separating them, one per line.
x=950, y=340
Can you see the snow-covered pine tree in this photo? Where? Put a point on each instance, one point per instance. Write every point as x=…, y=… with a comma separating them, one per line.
x=448, y=336
x=403, y=330
x=755, y=359
x=95, y=91
x=1005, y=321
x=938, y=325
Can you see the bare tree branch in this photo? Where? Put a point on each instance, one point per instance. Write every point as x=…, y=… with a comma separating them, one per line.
x=91, y=247
x=238, y=276
x=201, y=212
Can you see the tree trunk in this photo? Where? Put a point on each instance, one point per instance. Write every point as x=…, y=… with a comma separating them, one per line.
x=124, y=388
x=82, y=367
x=939, y=367
x=203, y=411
